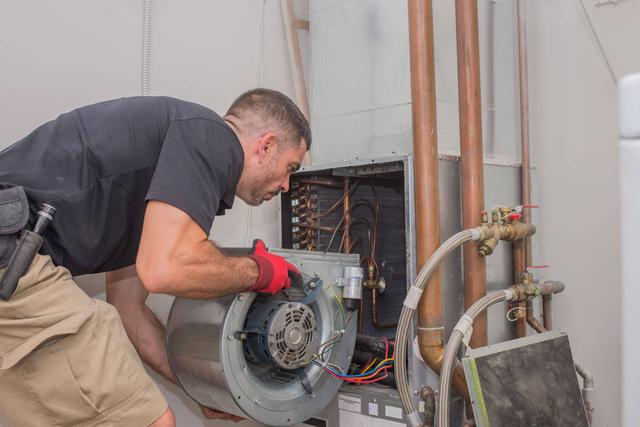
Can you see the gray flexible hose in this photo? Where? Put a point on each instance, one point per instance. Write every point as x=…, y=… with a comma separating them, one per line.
x=453, y=345
x=410, y=304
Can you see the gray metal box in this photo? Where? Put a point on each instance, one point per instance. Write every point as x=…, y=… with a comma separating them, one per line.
x=525, y=382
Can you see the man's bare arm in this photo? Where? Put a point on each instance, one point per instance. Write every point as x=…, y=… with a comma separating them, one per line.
x=175, y=257
x=146, y=333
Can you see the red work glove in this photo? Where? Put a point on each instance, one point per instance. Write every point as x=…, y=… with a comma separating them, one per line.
x=274, y=272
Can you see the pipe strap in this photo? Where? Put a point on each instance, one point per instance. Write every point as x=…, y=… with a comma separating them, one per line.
x=464, y=324
x=413, y=297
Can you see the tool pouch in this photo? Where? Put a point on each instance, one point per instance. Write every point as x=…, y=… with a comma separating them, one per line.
x=15, y=254
x=14, y=214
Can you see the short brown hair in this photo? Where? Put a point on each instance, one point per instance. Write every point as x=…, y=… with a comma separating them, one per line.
x=274, y=106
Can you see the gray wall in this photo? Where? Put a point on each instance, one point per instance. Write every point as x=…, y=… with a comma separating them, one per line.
x=58, y=55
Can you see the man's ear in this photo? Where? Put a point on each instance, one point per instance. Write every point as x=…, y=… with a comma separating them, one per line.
x=266, y=145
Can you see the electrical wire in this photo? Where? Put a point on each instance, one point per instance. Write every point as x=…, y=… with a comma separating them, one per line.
x=370, y=373
x=146, y=47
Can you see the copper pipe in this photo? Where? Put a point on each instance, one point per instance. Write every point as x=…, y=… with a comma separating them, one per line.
x=524, y=122
x=519, y=266
x=523, y=72
x=546, y=312
x=475, y=282
x=346, y=214
x=429, y=398
x=321, y=181
x=346, y=238
x=374, y=313
x=425, y=171
x=532, y=320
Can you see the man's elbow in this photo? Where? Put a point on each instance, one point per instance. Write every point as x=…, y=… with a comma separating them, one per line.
x=157, y=277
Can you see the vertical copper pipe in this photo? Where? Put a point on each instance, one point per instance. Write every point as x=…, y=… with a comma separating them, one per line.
x=425, y=158
x=425, y=170
x=519, y=265
x=374, y=313
x=347, y=215
x=524, y=121
x=475, y=282
x=546, y=312
x=525, y=170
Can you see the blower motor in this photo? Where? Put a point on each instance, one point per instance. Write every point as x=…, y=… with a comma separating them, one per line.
x=252, y=355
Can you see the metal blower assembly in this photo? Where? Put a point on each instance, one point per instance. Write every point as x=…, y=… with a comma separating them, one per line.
x=251, y=355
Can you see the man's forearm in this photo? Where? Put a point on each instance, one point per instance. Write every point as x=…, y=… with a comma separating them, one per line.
x=205, y=272
x=176, y=258
x=147, y=335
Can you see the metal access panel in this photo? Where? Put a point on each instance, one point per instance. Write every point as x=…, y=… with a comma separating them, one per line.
x=525, y=382
x=362, y=406
x=393, y=179
x=360, y=85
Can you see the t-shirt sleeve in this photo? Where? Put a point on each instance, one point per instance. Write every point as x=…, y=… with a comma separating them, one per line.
x=197, y=167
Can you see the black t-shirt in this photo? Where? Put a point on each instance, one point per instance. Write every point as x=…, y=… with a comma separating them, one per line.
x=98, y=165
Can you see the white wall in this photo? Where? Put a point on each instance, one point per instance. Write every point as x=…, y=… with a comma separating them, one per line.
x=574, y=143
x=60, y=55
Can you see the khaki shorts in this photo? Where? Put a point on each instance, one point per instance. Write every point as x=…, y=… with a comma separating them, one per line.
x=65, y=359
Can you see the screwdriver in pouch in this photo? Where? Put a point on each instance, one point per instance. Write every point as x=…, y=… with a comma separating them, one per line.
x=28, y=246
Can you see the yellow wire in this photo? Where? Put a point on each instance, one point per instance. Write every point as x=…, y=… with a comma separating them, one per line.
x=344, y=316
x=370, y=365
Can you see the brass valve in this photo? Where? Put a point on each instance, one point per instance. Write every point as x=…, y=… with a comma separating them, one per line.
x=525, y=290
x=506, y=226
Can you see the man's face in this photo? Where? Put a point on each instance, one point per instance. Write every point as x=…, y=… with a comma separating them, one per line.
x=271, y=175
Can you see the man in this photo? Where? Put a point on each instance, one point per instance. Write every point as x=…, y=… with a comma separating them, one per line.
x=134, y=181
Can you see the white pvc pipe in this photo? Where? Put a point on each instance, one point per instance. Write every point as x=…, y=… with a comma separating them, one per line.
x=629, y=151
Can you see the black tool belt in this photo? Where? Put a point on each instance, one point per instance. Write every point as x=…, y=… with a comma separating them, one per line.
x=14, y=215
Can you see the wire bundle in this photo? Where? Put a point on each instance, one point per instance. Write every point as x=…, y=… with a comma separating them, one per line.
x=370, y=374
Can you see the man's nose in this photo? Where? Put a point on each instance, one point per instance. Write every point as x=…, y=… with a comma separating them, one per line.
x=284, y=187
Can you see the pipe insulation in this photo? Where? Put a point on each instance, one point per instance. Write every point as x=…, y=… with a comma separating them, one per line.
x=629, y=152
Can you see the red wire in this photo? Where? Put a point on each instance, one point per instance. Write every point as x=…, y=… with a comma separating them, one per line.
x=386, y=348
x=369, y=378
x=374, y=380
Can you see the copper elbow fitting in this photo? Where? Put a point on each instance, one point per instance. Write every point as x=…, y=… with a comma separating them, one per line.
x=431, y=344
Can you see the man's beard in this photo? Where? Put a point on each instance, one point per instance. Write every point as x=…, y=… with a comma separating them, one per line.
x=258, y=189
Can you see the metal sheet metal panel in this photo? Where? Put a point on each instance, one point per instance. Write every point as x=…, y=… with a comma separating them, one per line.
x=523, y=382
x=502, y=185
x=360, y=84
